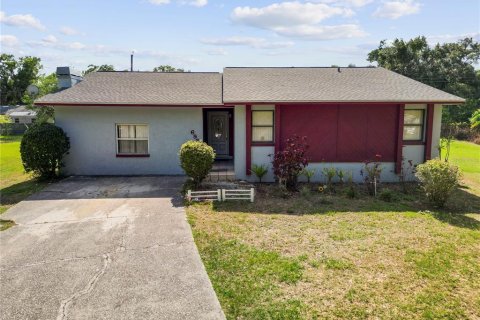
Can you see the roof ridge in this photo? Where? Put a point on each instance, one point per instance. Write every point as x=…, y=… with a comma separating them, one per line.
x=133, y=72
x=315, y=67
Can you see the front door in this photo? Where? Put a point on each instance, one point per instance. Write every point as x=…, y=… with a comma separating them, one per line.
x=218, y=133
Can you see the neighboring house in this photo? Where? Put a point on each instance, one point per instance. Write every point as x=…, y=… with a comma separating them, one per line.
x=22, y=115
x=133, y=123
x=4, y=109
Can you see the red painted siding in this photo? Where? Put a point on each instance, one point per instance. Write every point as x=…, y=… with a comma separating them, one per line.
x=318, y=123
x=277, y=127
x=343, y=133
x=352, y=134
x=399, y=145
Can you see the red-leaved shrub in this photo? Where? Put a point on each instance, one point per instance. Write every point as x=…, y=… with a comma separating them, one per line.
x=289, y=163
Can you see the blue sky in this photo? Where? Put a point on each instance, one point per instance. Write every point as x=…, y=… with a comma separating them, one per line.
x=207, y=35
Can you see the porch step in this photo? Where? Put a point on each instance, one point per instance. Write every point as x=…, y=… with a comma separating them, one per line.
x=220, y=176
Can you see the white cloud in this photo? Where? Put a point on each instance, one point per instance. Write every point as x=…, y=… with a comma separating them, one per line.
x=8, y=40
x=286, y=14
x=195, y=3
x=21, y=20
x=76, y=45
x=217, y=52
x=69, y=31
x=307, y=32
x=48, y=42
x=159, y=2
x=299, y=20
x=347, y=3
x=452, y=38
x=252, y=42
x=50, y=39
x=397, y=9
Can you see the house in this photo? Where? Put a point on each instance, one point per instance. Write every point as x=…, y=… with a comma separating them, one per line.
x=22, y=115
x=133, y=123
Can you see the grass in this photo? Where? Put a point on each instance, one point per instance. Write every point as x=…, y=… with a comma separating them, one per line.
x=467, y=156
x=324, y=256
x=15, y=184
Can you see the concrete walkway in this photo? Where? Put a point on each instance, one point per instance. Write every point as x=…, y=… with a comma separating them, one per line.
x=103, y=248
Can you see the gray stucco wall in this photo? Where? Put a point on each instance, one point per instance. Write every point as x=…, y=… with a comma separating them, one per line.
x=239, y=139
x=93, y=139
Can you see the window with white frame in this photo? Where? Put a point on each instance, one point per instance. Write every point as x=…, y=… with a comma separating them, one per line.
x=413, y=123
x=262, y=126
x=132, y=139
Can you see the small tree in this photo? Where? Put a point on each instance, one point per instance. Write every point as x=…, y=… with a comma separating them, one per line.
x=371, y=173
x=289, y=163
x=196, y=159
x=42, y=149
x=438, y=180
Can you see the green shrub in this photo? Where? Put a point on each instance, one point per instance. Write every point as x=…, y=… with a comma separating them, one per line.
x=350, y=192
x=42, y=149
x=387, y=195
x=196, y=159
x=305, y=192
x=438, y=180
x=259, y=171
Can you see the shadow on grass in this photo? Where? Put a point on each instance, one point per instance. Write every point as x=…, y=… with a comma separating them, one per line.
x=17, y=192
x=270, y=200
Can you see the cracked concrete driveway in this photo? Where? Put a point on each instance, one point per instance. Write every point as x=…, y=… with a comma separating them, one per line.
x=103, y=248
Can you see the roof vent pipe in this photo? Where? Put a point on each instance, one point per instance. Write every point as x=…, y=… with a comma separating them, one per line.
x=131, y=62
x=338, y=69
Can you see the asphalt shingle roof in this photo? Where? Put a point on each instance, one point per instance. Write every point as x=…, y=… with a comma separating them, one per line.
x=144, y=88
x=249, y=85
x=326, y=85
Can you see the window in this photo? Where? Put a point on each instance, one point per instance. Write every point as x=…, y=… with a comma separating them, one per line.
x=132, y=139
x=16, y=120
x=413, y=124
x=262, y=126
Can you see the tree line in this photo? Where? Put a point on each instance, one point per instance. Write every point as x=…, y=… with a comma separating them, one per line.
x=449, y=67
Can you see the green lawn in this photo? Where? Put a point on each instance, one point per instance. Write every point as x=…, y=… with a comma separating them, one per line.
x=325, y=256
x=15, y=184
x=467, y=156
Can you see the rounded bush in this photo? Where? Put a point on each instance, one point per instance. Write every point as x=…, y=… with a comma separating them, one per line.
x=438, y=179
x=196, y=159
x=42, y=149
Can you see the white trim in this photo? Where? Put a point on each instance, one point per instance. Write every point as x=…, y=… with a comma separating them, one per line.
x=117, y=139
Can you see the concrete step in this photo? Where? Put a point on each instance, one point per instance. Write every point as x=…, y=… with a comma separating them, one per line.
x=220, y=176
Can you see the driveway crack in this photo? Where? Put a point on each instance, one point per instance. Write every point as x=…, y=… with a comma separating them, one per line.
x=62, y=312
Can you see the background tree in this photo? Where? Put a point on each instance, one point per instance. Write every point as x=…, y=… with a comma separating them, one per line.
x=95, y=68
x=448, y=67
x=46, y=84
x=167, y=68
x=16, y=76
x=475, y=119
